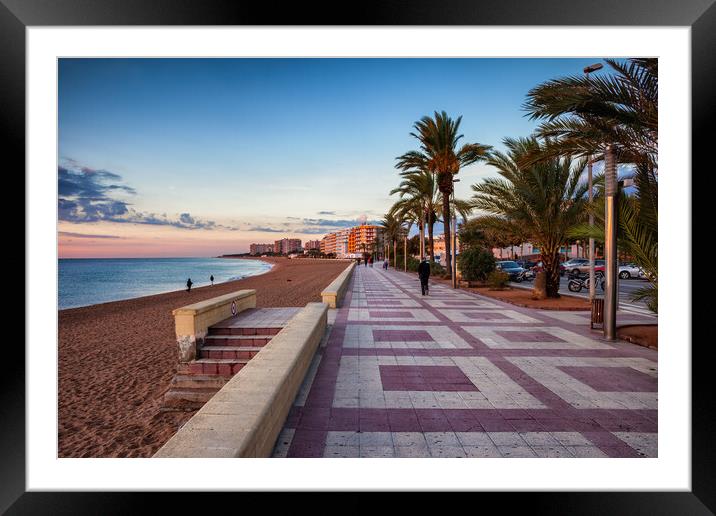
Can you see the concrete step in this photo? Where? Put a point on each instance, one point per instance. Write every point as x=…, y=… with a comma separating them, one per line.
x=213, y=330
x=237, y=340
x=247, y=352
x=226, y=367
x=187, y=399
x=197, y=381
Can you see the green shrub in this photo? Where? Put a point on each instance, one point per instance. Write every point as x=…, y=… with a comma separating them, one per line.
x=435, y=268
x=498, y=279
x=475, y=263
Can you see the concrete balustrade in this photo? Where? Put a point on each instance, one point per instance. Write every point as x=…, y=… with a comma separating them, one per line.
x=333, y=294
x=192, y=321
x=245, y=417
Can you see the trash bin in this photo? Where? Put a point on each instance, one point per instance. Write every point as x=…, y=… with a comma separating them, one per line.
x=597, y=312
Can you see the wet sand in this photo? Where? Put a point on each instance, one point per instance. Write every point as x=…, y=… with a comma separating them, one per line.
x=116, y=359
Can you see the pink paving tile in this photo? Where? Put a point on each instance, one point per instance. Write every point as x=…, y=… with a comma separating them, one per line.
x=377, y=314
x=424, y=378
x=403, y=420
x=612, y=379
x=305, y=450
x=401, y=335
x=529, y=336
x=486, y=316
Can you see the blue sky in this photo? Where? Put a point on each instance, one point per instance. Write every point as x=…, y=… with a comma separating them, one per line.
x=204, y=156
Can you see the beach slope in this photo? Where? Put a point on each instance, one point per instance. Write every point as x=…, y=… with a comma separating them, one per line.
x=116, y=359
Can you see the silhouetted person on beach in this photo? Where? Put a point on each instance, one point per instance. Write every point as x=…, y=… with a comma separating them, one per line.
x=188, y=285
x=424, y=275
x=212, y=279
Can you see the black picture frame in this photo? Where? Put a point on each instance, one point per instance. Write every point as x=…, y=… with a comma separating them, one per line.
x=700, y=15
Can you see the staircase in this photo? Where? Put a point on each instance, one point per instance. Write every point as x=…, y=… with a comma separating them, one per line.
x=228, y=346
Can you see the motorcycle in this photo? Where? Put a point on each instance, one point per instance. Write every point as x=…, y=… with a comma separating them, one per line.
x=577, y=283
x=526, y=275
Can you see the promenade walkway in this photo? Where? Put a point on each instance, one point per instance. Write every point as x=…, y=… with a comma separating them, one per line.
x=454, y=374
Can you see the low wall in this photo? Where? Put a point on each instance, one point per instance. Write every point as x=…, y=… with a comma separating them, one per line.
x=192, y=321
x=333, y=294
x=246, y=416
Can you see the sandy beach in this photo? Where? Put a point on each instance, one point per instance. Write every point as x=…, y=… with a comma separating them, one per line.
x=116, y=359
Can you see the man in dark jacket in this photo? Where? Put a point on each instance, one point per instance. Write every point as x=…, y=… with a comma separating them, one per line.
x=424, y=275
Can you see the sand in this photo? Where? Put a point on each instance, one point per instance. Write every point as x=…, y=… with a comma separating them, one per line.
x=646, y=335
x=116, y=359
x=523, y=297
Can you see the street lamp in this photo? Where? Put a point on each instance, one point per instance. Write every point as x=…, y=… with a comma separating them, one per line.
x=454, y=236
x=610, y=242
x=592, y=287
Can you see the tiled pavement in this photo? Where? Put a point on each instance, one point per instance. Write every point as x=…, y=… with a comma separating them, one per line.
x=454, y=374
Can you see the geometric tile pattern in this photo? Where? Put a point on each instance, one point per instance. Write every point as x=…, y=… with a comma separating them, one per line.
x=455, y=374
x=533, y=337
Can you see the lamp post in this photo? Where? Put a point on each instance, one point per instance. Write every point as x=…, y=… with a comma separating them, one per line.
x=610, y=243
x=454, y=237
x=592, y=287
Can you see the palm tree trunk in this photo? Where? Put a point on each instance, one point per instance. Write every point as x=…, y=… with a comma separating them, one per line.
x=550, y=260
x=446, y=231
x=430, y=239
x=422, y=238
x=395, y=255
x=405, y=252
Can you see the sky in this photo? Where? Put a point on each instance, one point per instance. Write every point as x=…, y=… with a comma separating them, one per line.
x=202, y=157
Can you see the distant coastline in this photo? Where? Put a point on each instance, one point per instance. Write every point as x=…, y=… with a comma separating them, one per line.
x=92, y=281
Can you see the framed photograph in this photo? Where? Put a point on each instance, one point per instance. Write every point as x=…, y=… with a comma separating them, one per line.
x=203, y=180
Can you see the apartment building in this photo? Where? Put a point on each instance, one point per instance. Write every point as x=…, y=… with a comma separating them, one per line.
x=257, y=249
x=287, y=246
x=351, y=242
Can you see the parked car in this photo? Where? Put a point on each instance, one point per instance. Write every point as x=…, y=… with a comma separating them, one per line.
x=630, y=270
x=539, y=268
x=578, y=266
x=575, y=262
x=510, y=268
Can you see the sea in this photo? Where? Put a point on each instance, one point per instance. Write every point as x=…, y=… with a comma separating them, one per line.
x=90, y=281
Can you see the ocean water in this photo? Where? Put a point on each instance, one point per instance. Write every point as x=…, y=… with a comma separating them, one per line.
x=85, y=282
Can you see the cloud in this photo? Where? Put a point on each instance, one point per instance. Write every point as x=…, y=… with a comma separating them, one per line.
x=338, y=223
x=312, y=231
x=92, y=195
x=69, y=234
x=326, y=213
x=267, y=229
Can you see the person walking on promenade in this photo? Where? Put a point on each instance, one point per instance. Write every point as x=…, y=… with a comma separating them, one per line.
x=212, y=280
x=385, y=264
x=188, y=285
x=370, y=261
x=424, y=275
x=365, y=262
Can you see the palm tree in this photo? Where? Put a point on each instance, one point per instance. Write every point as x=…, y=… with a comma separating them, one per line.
x=408, y=211
x=421, y=186
x=543, y=200
x=439, y=154
x=391, y=230
x=583, y=114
